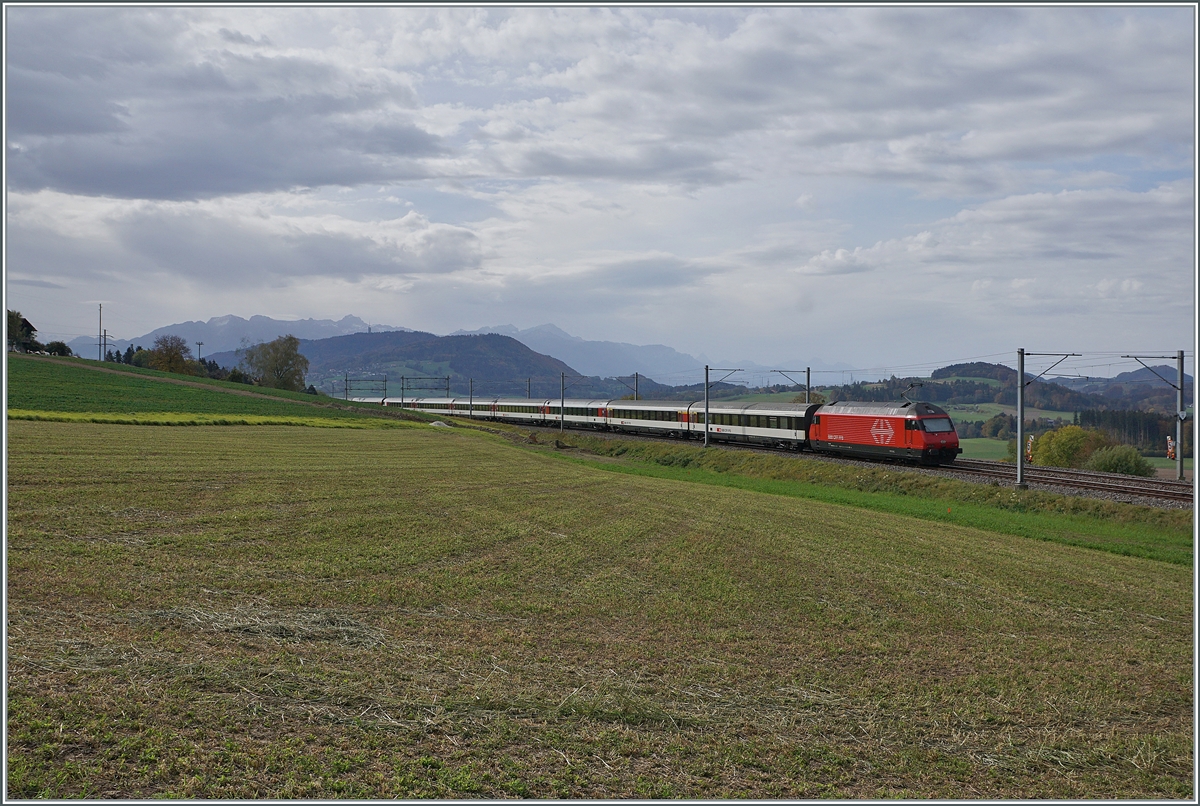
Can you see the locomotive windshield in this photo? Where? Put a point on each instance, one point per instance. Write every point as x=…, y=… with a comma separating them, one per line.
x=937, y=424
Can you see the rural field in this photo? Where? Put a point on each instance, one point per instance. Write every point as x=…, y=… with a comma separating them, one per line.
x=250, y=611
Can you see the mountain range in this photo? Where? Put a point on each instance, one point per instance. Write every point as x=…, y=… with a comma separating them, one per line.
x=228, y=333
x=607, y=359
x=543, y=353
x=1142, y=378
x=220, y=337
x=423, y=364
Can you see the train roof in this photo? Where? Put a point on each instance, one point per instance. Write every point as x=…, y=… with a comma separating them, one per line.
x=713, y=405
x=669, y=405
x=861, y=408
x=867, y=408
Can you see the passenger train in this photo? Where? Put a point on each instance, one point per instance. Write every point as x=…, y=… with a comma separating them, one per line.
x=912, y=431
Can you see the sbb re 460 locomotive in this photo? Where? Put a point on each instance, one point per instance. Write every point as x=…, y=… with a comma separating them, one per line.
x=911, y=432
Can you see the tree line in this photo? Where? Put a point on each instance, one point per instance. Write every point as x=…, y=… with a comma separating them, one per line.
x=275, y=364
x=1038, y=395
x=1145, y=430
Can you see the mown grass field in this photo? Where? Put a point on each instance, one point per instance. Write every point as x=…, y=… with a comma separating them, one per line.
x=271, y=611
x=980, y=412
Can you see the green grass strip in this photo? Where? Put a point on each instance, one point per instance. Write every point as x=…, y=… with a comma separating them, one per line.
x=185, y=418
x=1138, y=531
x=1133, y=540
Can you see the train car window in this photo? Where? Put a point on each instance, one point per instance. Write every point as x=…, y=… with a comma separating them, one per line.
x=816, y=419
x=773, y=423
x=938, y=425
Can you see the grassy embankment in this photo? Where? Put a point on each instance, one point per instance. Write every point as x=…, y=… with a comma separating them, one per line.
x=77, y=390
x=281, y=612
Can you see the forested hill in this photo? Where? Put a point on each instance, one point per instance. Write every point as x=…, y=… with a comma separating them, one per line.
x=973, y=389
x=977, y=369
x=980, y=382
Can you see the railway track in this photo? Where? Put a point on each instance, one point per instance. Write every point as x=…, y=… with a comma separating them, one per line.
x=1165, y=489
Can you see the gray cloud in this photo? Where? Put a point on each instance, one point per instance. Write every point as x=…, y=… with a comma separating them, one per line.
x=638, y=168
x=194, y=124
x=35, y=283
x=931, y=97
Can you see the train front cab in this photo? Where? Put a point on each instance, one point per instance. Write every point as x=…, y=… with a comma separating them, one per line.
x=932, y=438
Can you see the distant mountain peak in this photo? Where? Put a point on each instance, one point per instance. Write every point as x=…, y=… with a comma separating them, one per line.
x=553, y=330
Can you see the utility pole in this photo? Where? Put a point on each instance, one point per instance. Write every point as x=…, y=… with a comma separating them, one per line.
x=727, y=372
x=1021, y=485
x=104, y=348
x=199, y=344
x=1021, y=384
x=562, y=395
x=635, y=386
x=471, y=405
x=346, y=387
x=100, y=334
x=447, y=387
x=1181, y=415
x=529, y=388
x=1180, y=411
x=807, y=383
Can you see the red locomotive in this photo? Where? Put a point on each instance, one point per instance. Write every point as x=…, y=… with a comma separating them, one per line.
x=912, y=431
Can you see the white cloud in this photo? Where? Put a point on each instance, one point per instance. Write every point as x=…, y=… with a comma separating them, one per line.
x=840, y=261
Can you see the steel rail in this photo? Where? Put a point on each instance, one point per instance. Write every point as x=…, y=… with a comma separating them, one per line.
x=1167, y=489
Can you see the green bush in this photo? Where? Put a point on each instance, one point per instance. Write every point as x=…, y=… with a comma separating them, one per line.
x=1119, y=459
x=1069, y=446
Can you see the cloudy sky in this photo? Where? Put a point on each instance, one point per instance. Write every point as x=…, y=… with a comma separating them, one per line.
x=875, y=187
